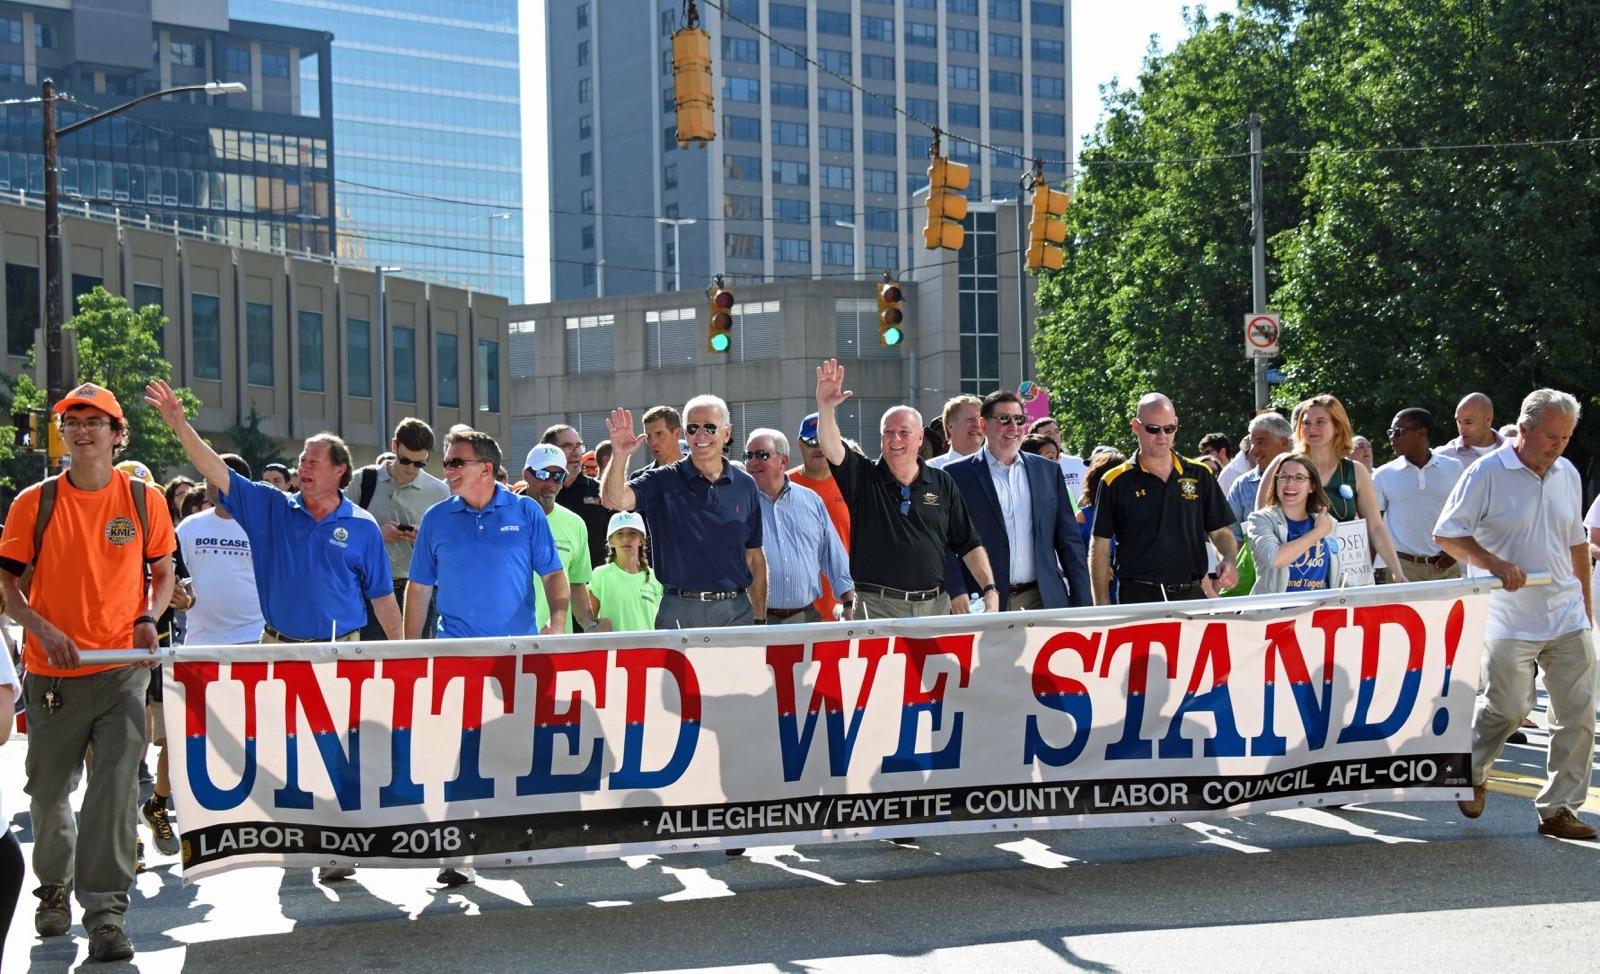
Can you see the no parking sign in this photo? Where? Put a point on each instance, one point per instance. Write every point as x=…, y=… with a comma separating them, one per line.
x=1261, y=335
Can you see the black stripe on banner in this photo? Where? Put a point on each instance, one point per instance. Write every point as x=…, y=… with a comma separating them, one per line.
x=533, y=832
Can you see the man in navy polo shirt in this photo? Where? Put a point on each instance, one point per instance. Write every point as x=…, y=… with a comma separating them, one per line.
x=704, y=518
x=316, y=554
x=479, y=549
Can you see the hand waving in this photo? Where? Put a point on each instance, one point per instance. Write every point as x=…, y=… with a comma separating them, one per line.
x=619, y=428
x=165, y=401
x=830, y=385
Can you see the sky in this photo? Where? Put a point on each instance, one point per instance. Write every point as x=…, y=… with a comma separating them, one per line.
x=1109, y=39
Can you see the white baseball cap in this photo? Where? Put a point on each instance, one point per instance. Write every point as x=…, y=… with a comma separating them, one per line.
x=625, y=519
x=545, y=455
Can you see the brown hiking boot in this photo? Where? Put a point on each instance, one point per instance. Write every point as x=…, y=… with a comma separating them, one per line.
x=1565, y=825
x=54, y=915
x=1474, y=807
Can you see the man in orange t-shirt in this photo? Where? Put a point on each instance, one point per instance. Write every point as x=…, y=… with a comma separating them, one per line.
x=88, y=592
x=814, y=474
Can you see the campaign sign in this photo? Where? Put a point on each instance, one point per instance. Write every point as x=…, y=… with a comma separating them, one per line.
x=521, y=751
x=1355, y=554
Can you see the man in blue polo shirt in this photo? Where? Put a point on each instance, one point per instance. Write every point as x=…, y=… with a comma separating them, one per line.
x=316, y=554
x=479, y=549
x=704, y=518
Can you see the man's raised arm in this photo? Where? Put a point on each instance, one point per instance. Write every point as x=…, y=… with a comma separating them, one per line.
x=205, y=459
x=831, y=394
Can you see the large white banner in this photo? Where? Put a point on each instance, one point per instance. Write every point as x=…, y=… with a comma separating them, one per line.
x=513, y=752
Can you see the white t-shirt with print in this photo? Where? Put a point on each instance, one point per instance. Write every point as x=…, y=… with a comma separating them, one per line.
x=227, y=608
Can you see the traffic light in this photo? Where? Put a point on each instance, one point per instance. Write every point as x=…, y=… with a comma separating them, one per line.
x=947, y=204
x=719, y=317
x=22, y=424
x=55, y=444
x=1046, y=232
x=890, y=316
x=691, y=78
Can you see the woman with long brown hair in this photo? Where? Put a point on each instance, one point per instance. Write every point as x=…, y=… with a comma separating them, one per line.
x=1290, y=538
x=1323, y=434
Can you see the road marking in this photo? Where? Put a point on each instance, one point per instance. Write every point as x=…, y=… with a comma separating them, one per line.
x=1528, y=786
x=697, y=885
x=1036, y=853
x=1328, y=820
x=773, y=856
x=1217, y=835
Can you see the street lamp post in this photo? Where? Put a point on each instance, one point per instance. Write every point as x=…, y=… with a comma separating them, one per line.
x=677, y=251
x=382, y=336
x=55, y=380
x=491, y=217
x=858, y=244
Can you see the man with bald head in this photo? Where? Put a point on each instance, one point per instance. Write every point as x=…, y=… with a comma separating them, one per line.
x=1160, y=508
x=904, y=514
x=1475, y=421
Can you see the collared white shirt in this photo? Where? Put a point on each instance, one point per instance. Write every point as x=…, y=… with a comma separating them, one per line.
x=1238, y=465
x=1468, y=455
x=1532, y=522
x=1016, y=506
x=948, y=457
x=1411, y=498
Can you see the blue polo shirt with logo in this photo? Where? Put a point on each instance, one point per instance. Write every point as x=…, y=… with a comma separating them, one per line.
x=480, y=563
x=312, y=576
x=699, y=529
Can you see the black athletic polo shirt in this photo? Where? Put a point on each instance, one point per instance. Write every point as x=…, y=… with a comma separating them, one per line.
x=904, y=551
x=1160, y=526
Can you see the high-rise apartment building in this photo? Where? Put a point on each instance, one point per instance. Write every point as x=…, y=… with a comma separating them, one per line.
x=427, y=118
x=808, y=176
x=254, y=169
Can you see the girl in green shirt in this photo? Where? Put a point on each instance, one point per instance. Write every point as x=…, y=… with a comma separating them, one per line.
x=623, y=591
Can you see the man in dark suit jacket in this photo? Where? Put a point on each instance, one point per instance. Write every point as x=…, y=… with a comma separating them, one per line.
x=1018, y=502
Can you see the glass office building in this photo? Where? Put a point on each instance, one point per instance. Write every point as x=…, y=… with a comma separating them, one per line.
x=254, y=169
x=808, y=176
x=426, y=115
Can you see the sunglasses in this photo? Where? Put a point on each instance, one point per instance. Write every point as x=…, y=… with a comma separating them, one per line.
x=1166, y=430
x=757, y=455
x=693, y=428
x=408, y=462
x=554, y=476
x=1010, y=420
x=1397, y=430
x=810, y=441
x=456, y=463
x=905, y=500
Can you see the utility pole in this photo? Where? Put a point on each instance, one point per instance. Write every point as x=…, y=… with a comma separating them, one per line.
x=55, y=385
x=1024, y=184
x=1258, y=261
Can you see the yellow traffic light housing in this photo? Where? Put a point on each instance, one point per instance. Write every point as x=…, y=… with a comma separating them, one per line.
x=890, y=316
x=1046, y=231
x=947, y=202
x=691, y=78
x=719, y=317
x=56, y=445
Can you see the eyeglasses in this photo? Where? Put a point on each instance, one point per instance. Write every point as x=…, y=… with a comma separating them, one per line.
x=810, y=441
x=408, y=462
x=94, y=424
x=1395, y=431
x=554, y=476
x=693, y=428
x=1010, y=420
x=757, y=455
x=456, y=463
x=905, y=500
x=1155, y=430
x=1293, y=478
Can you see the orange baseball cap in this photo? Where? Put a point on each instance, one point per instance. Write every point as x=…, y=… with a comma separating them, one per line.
x=91, y=395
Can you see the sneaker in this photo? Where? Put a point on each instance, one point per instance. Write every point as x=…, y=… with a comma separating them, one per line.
x=108, y=942
x=333, y=874
x=54, y=915
x=145, y=777
x=155, y=816
x=1474, y=807
x=138, y=853
x=1565, y=825
x=456, y=875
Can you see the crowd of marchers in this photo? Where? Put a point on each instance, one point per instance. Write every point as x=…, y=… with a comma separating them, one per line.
x=979, y=510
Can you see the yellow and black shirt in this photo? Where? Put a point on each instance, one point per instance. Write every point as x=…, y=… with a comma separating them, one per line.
x=1160, y=526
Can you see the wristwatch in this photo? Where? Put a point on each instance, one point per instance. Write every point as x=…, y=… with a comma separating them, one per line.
x=145, y=619
x=987, y=589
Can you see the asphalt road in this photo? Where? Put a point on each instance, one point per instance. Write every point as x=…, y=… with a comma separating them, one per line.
x=1397, y=887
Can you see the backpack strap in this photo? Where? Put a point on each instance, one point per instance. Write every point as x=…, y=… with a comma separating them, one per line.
x=47, y=505
x=140, y=506
x=369, y=486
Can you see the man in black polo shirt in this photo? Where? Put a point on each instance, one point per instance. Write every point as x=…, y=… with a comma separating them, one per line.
x=1160, y=509
x=904, y=515
x=704, y=518
x=581, y=494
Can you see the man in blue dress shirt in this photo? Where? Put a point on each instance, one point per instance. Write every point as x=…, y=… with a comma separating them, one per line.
x=798, y=538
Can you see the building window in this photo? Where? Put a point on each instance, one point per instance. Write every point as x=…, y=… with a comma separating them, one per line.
x=791, y=249
x=797, y=134
x=1044, y=87
x=742, y=246
x=833, y=22
x=747, y=90
x=586, y=199
x=206, y=331
x=590, y=344
x=1005, y=82
x=1005, y=119
x=833, y=100
x=670, y=338
x=358, y=357
x=585, y=126
x=962, y=8
x=1049, y=52
x=584, y=86
x=583, y=16
x=669, y=176
x=836, y=253
x=1049, y=123
x=1048, y=14
x=145, y=295
x=741, y=128
x=963, y=76
x=44, y=37
x=881, y=220
x=921, y=72
x=964, y=114
x=404, y=348
x=885, y=256
x=310, y=339
x=926, y=109
x=786, y=15
x=921, y=35
x=22, y=305
x=588, y=275
x=791, y=173
x=274, y=65
x=837, y=62
x=10, y=30
x=877, y=67
x=856, y=328
x=741, y=167
x=739, y=207
x=877, y=29
x=583, y=54
x=784, y=57
x=789, y=210
x=791, y=96
x=488, y=372
x=586, y=237
x=838, y=139
x=979, y=305
x=586, y=164
x=1005, y=10
x=184, y=53
x=745, y=50
x=448, y=363
x=1005, y=45
x=258, y=349
x=236, y=59
x=877, y=143
x=963, y=41
x=837, y=177
x=880, y=181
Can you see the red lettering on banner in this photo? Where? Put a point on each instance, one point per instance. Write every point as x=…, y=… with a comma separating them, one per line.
x=917, y=699
x=638, y=663
x=827, y=696
x=545, y=667
x=474, y=672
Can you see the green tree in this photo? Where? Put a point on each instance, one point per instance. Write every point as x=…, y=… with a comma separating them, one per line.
x=117, y=348
x=257, y=447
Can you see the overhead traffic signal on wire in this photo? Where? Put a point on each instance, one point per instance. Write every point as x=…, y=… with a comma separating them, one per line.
x=890, y=317
x=719, y=317
x=1046, y=230
x=947, y=201
x=691, y=79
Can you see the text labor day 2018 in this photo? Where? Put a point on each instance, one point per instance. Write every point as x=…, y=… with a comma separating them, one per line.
x=518, y=751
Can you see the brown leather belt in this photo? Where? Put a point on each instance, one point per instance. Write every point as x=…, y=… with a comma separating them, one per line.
x=1441, y=560
x=785, y=613
x=899, y=594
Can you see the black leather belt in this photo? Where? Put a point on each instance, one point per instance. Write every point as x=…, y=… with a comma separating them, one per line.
x=1023, y=587
x=1169, y=587
x=785, y=613
x=900, y=594
x=280, y=637
x=703, y=596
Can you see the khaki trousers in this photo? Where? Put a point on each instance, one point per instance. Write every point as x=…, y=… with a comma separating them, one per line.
x=1024, y=601
x=870, y=605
